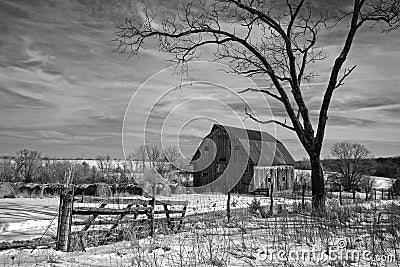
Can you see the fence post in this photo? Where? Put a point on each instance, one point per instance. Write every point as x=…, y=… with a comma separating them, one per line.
x=272, y=199
x=228, y=207
x=382, y=194
x=153, y=205
x=303, y=193
x=64, y=223
x=41, y=191
x=340, y=195
x=375, y=194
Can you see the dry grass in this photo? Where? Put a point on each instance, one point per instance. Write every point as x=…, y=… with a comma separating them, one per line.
x=207, y=240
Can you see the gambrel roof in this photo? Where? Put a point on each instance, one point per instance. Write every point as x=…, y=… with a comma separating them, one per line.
x=263, y=148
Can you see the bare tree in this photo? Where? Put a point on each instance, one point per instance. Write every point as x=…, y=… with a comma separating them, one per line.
x=396, y=187
x=27, y=163
x=351, y=164
x=271, y=39
x=142, y=155
x=126, y=169
x=177, y=167
x=302, y=180
x=51, y=171
x=109, y=164
x=158, y=160
x=133, y=164
x=367, y=183
x=7, y=171
x=154, y=154
x=173, y=155
x=105, y=165
x=101, y=163
x=302, y=184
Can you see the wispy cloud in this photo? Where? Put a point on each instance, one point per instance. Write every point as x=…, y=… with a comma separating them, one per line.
x=64, y=90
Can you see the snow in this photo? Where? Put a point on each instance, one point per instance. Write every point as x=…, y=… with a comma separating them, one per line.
x=222, y=245
x=28, y=218
x=201, y=243
x=382, y=182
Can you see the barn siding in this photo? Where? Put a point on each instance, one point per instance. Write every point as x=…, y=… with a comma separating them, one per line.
x=281, y=176
x=214, y=149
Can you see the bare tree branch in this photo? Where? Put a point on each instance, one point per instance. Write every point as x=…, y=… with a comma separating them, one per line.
x=283, y=124
x=254, y=39
x=346, y=73
x=261, y=91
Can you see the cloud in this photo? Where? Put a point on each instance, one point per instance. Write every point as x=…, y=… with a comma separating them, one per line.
x=64, y=91
x=14, y=99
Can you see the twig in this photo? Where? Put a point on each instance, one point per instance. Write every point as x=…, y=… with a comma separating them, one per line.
x=346, y=73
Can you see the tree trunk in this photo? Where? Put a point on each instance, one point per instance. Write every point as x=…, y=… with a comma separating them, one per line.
x=318, y=186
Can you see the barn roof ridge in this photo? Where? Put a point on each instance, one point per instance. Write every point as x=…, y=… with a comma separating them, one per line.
x=254, y=135
x=259, y=144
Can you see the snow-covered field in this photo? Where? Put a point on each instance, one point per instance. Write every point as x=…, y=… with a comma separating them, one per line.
x=27, y=218
x=210, y=243
x=217, y=245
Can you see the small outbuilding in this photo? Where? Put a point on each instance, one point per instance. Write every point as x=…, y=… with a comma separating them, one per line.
x=242, y=161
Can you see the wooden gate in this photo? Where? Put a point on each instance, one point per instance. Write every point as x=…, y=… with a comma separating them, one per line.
x=106, y=214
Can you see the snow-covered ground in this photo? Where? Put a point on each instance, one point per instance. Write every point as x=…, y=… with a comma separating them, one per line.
x=201, y=244
x=221, y=245
x=27, y=218
x=382, y=182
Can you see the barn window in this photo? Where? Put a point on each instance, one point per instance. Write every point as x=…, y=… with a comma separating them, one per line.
x=205, y=174
x=223, y=159
x=206, y=148
x=220, y=167
x=283, y=178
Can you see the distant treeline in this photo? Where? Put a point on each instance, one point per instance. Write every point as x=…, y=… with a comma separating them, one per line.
x=383, y=167
x=14, y=157
x=29, y=166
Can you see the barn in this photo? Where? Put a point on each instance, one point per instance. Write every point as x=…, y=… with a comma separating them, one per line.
x=241, y=161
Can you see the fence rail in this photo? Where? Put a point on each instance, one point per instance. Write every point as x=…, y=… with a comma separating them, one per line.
x=81, y=215
x=89, y=212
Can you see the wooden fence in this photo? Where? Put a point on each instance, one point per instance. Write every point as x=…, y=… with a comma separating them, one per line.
x=103, y=215
x=373, y=194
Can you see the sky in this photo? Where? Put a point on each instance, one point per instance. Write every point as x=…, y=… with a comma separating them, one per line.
x=66, y=92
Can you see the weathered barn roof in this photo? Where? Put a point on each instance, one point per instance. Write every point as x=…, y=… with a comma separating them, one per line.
x=263, y=148
x=242, y=133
